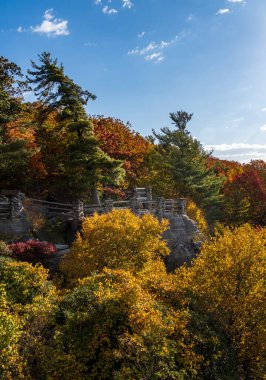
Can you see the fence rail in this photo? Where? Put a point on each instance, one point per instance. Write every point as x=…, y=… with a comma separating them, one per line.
x=139, y=204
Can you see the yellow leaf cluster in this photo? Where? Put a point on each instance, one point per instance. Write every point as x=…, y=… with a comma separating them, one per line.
x=115, y=240
x=196, y=214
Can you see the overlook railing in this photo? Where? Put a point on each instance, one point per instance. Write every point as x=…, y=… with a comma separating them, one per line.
x=141, y=203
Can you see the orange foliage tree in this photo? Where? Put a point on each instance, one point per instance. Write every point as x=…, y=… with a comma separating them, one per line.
x=119, y=141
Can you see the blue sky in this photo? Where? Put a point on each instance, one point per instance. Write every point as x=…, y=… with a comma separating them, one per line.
x=146, y=58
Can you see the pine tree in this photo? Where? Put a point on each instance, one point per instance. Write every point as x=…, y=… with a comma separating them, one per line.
x=86, y=164
x=186, y=161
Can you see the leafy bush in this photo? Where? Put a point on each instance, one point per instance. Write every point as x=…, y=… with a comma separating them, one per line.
x=4, y=249
x=23, y=282
x=117, y=240
x=27, y=301
x=32, y=251
x=11, y=364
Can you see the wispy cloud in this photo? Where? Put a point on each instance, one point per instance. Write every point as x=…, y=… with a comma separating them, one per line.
x=263, y=128
x=109, y=11
x=143, y=51
x=51, y=26
x=156, y=48
x=242, y=152
x=263, y=109
x=20, y=29
x=223, y=11
x=236, y=1
x=127, y=4
x=155, y=57
x=142, y=34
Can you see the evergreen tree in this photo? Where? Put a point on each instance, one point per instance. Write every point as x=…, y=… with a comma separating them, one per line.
x=13, y=154
x=186, y=161
x=86, y=165
x=57, y=91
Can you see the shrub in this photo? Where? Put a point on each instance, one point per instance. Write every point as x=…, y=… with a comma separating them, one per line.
x=24, y=283
x=32, y=251
x=117, y=240
x=27, y=301
x=4, y=249
x=11, y=363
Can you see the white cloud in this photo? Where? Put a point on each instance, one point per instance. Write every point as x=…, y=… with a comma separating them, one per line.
x=109, y=11
x=263, y=109
x=235, y=146
x=157, y=47
x=235, y=1
x=152, y=56
x=223, y=11
x=155, y=57
x=143, y=51
x=263, y=128
x=242, y=152
x=51, y=26
x=142, y=34
x=127, y=4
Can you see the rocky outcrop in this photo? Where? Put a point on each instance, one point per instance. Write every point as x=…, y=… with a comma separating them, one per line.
x=182, y=240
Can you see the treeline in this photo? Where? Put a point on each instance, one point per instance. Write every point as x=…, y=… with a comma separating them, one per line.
x=117, y=314
x=53, y=146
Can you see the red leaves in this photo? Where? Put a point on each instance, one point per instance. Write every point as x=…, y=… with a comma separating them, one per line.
x=31, y=251
x=120, y=142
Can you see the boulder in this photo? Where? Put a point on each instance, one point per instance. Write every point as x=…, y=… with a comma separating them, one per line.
x=182, y=241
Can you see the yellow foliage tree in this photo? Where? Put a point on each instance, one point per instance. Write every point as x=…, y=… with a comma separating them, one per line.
x=228, y=282
x=113, y=328
x=117, y=240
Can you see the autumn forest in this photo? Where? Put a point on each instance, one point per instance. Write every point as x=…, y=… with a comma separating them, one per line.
x=112, y=309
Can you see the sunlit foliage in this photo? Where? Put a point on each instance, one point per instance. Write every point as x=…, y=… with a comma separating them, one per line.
x=226, y=285
x=118, y=239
